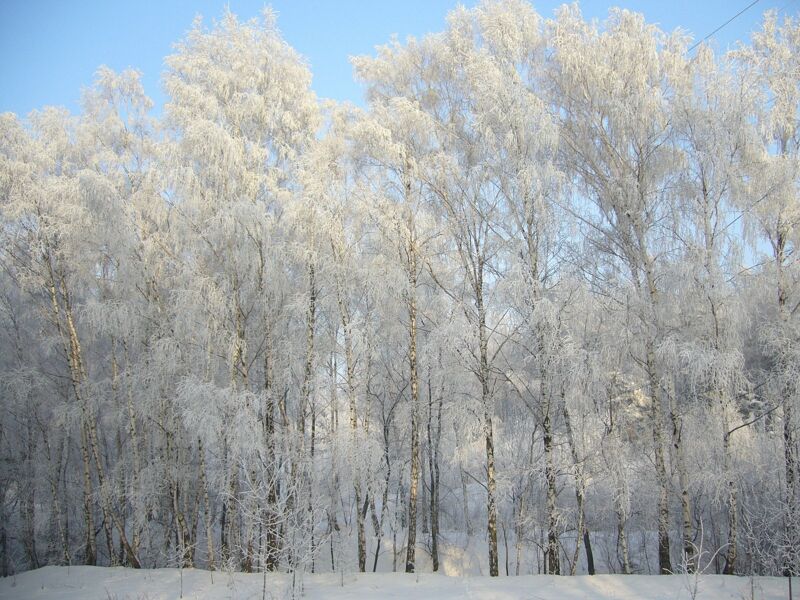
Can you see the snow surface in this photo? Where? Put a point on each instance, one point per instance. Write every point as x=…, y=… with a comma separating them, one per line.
x=87, y=583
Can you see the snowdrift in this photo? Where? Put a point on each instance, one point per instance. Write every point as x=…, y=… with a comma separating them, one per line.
x=103, y=583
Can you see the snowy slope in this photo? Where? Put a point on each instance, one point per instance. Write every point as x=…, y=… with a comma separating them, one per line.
x=89, y=583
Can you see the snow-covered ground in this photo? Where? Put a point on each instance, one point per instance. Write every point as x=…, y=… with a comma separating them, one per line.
x=89, y=583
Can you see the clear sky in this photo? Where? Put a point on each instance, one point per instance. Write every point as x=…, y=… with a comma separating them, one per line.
x=50, y=49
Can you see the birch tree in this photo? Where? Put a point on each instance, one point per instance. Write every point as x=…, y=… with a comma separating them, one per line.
x=616, y=135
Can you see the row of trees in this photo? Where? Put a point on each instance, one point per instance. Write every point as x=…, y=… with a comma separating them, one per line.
x=538, y=299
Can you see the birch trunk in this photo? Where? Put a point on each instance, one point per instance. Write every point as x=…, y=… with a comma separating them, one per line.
x=351, y=399
x=622, y=540
x=664, y=563
x=683, y=481
x=412, y=365
x=308, y=372
x=789, y=444
x=730, y=481
x=488, y=433
x=553, y=563
x=650, y=322
x=209, y=524
x=580, y=498
x=434, y=437
x=271, y=516
x=90, y=548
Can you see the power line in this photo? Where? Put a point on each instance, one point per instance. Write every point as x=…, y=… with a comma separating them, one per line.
x=741, y=12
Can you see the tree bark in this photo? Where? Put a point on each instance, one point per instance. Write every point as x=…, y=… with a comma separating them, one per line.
x=733, y=518
x=434, y=437
x=664, y=561
x=683, y=481
x=351, y=398
x=488, y=433
x=412, y=365
x=553, y=562
x=580, y=498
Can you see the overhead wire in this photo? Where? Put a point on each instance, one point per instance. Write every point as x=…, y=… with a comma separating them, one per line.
x=734, y=17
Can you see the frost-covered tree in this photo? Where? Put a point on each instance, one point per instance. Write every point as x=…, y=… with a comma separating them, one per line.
x=612, y=88
x=769, y=185
x=545, y=279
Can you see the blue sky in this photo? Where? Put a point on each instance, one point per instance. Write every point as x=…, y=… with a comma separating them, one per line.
x=50, y=49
